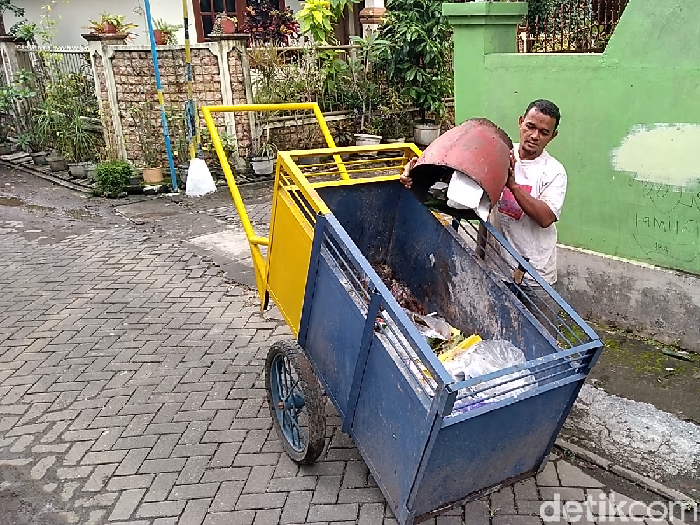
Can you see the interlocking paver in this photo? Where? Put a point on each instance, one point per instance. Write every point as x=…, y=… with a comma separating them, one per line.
x=132, y=387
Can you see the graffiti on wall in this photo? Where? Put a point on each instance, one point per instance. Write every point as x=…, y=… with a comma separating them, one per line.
x=664, y=166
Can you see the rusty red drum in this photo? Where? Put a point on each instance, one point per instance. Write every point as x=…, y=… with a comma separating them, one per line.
x=478, y=148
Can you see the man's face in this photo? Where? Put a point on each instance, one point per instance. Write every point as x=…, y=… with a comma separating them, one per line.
x=536, y=131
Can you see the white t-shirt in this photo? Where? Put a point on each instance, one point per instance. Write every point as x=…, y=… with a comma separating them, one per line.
x=545, y=179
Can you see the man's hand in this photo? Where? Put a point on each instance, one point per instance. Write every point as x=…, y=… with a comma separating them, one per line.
x=405, y=177
x=510, y=181
x=534, y=208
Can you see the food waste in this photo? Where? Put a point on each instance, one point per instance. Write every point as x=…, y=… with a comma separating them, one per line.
x=445, y=340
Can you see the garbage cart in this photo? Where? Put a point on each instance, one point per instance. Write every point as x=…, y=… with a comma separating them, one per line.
x=430, y=441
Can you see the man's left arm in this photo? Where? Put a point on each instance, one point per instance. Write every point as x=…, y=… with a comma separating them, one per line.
x=544, y=211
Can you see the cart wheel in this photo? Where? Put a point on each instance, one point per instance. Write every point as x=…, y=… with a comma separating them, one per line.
x=296, y=402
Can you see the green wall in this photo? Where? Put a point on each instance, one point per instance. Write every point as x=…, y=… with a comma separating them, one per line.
x=630, y=131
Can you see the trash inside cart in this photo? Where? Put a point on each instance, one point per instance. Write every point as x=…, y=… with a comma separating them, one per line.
x=431, y=439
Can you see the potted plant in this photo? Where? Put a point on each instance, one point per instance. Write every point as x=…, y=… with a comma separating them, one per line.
x=112, y=178
x=5, y=119
x=415, y=51
x=224, y=25
x=395, y=120
x=164, y=33
x=268, y=24
x=263, y=158
x=373, y=129
x=24, y=32
x=110, y=24
x=152, y=169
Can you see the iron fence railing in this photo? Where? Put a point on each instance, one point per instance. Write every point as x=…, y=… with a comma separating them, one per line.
x=581, y=26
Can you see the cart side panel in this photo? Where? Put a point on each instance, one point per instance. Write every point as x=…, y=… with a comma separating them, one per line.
x=333, y=333
x=392, y=424
x=288, y=258
x=388, y=224
x=366, y=364
x=483, y=451
x=368, y=213
x=446, y=276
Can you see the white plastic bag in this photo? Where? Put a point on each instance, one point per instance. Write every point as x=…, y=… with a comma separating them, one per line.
x=464, y=193
x=486, y=357
x=199, y=180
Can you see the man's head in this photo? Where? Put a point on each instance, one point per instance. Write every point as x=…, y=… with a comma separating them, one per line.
x=538, y=126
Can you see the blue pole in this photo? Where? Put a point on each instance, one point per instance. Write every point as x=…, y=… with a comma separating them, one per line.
x=161, y=100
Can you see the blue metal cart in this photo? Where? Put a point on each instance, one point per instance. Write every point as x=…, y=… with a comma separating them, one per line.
x=331, y=222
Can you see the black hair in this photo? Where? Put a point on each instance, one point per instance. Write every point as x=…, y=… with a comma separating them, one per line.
x=546, y=107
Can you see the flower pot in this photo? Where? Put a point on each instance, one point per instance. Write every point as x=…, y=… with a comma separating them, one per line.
x=77, y=170
x=109, y=28
x=228, y=26
x=263, y=165
x=90, y=168
x=5, y=148
x=57, y=164
x=363, y=139
x=39, y=158
x=396, y=141
x=160, y=37
x=152, y=175
x=424, y=134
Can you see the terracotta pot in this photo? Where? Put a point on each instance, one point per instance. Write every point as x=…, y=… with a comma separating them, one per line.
x=228, y=26
x=160, y=37
x=109, y=28
x=152, y=175
x=478, y=148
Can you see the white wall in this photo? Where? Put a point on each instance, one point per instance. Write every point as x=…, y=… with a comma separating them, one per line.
x=74, y=16
x=76, y=13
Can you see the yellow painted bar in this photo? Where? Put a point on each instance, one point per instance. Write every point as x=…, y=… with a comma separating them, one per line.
x=228, y=174
x=282, y=273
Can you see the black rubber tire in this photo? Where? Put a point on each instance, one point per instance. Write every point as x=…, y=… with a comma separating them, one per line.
x=313, y=407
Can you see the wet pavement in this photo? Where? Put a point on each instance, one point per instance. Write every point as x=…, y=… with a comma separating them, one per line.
x=131, y=354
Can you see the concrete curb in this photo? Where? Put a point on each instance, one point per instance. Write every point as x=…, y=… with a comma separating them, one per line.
x=31, y=171
x=631, y=476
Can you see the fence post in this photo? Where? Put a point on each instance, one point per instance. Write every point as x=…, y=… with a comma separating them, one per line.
x=12, y=60
x=480, y=28
x=101, y=54
x=228, y=48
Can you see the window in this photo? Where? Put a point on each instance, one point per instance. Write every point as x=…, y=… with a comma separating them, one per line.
x=205, y=12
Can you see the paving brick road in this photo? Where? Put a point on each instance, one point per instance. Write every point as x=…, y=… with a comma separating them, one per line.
x=132, y=392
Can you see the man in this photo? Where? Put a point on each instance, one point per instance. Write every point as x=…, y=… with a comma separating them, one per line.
x=532, y=200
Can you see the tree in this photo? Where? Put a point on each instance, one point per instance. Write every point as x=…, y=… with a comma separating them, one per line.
x=416, y=51
x=8, y=6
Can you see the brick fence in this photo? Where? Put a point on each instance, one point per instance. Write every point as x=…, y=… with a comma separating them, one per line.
x=125, y=80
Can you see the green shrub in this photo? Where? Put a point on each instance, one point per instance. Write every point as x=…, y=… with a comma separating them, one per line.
x=111, y=178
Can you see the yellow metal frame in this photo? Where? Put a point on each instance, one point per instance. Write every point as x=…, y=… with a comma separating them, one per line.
x=282, y=273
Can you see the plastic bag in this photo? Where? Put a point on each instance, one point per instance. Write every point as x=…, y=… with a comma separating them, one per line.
x=465, y=193
x=199, y=180
x=484, y=358
x=431, y=326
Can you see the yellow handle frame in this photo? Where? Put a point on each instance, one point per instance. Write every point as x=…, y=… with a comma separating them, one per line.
x=282, y=273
